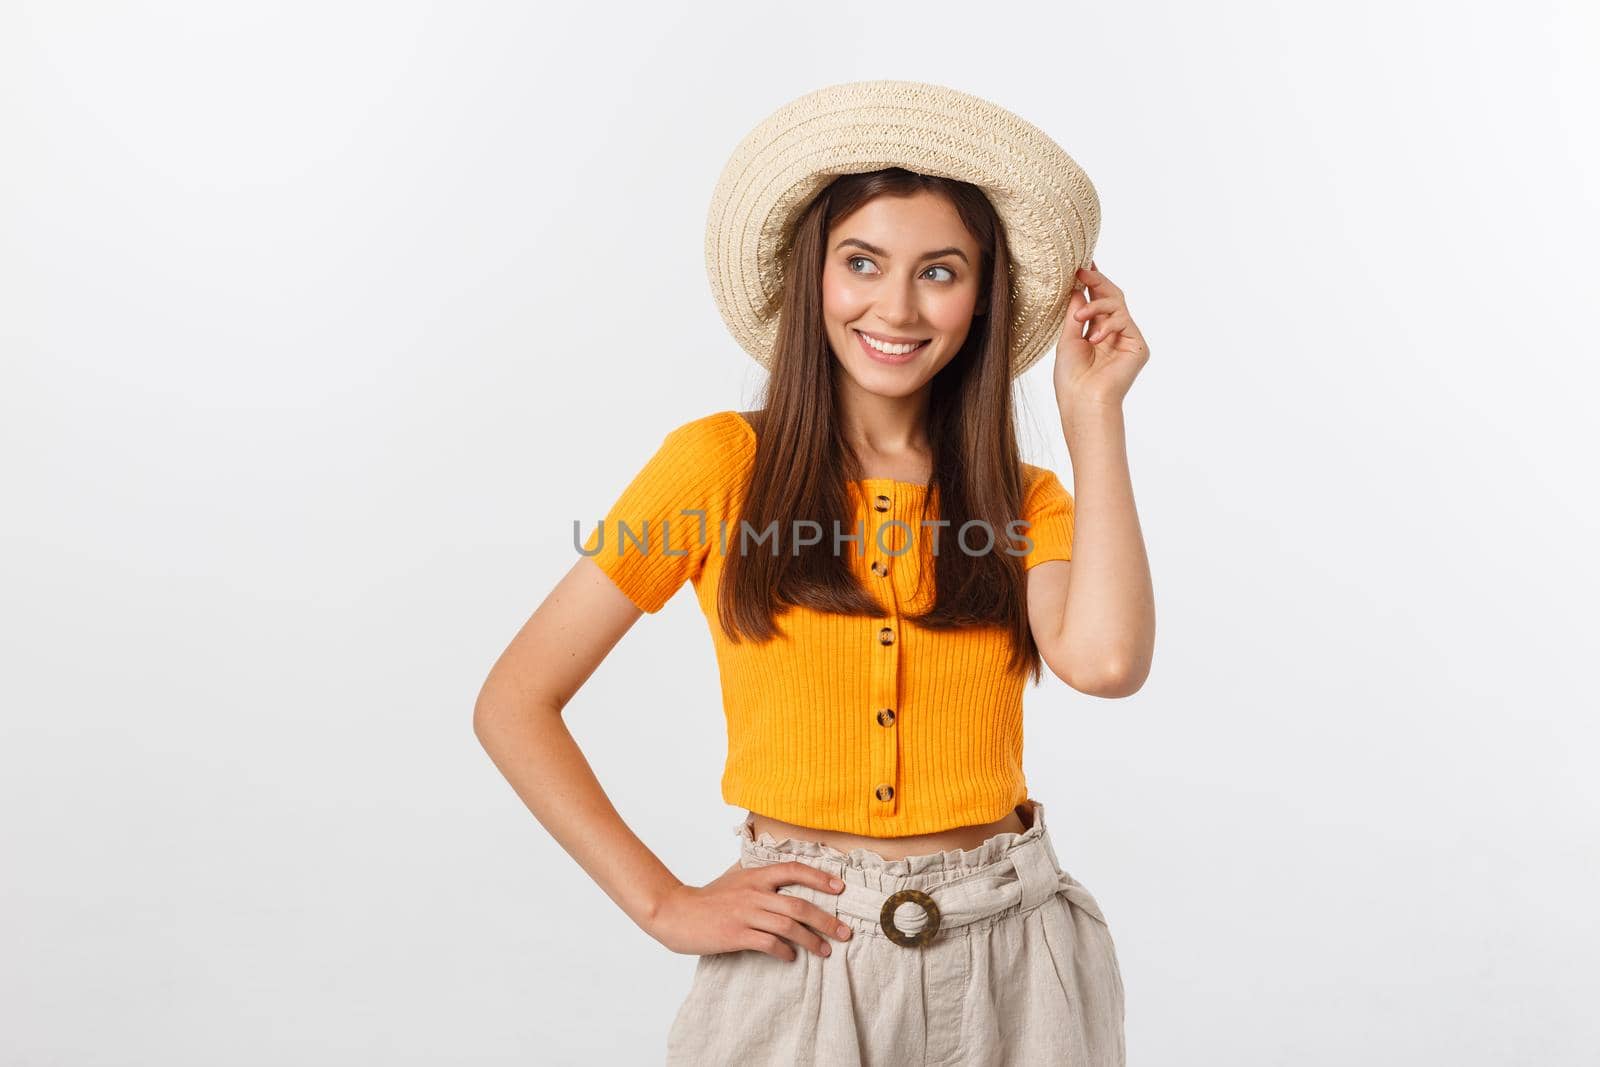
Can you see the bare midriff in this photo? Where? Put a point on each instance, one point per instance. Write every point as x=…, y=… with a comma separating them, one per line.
x=893, y=848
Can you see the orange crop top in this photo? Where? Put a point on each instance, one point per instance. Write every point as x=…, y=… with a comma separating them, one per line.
x=859, y=724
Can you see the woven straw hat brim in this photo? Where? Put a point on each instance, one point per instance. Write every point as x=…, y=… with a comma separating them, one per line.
x=1046, y=202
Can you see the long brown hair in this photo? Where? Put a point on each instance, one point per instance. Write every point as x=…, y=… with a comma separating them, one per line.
x=803, y=464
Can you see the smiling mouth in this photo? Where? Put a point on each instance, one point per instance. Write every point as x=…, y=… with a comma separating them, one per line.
x=893, y=352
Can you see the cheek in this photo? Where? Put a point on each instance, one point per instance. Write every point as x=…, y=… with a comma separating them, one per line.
x=839, y=300
x=952, y=311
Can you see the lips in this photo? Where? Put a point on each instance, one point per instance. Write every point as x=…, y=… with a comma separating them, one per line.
x=885, y=339
x=884, y=357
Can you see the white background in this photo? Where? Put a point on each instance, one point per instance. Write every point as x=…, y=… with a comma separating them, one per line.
x=322, y=323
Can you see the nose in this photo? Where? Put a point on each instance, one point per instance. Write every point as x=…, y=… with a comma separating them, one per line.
x=897, y=306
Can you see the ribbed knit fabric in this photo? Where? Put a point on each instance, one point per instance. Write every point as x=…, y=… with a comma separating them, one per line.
x=863, y=725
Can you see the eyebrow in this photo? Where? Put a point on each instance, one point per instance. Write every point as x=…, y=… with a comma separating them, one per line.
x=875, y=250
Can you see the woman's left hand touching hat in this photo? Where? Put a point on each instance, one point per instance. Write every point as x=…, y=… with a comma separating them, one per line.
x=1098, y=368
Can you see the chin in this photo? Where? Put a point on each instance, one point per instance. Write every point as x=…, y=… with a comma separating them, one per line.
x=888, y=382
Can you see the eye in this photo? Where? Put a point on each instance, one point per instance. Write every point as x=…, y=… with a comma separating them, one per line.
x=851, y=261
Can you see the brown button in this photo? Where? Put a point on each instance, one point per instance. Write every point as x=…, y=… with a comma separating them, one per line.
x=886, y=792
x=886, y=717
x=880, y=568
x=886, y=636
x=883, y=503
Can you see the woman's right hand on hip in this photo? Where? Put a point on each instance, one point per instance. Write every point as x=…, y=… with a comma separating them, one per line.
x=742, y=909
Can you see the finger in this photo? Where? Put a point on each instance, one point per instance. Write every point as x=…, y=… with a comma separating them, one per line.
x=815, y=917
x=1130, y=338
x=793, y=872
x=1101, y=323
x=1119, y=322
x=1125, y=344
x=1071, y=349
x=1076, y=303
x=774, y=919
x=822, y=921
x=771, y=944
x=1102, y=306
x=1112, y=324
x=1097, y=282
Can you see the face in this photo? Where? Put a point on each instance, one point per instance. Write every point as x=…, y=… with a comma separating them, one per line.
x=880, y=281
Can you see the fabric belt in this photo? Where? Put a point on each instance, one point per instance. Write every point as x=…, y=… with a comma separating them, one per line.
x=1028, y=875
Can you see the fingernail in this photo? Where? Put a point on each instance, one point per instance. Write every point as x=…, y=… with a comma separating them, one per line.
x=844, y=931
x=825, y=949
x=836, y=884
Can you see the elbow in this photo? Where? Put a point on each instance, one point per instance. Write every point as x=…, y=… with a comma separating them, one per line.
x=499, y=714
x=484, y=718
x=492, y=715
x=1112, y=679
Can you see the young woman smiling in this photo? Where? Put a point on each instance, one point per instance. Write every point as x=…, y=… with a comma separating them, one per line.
x=896, y=897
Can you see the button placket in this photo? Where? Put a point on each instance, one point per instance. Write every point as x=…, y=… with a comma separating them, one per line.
x=884, y=699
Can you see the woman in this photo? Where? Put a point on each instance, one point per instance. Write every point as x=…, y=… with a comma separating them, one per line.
x=881, y=574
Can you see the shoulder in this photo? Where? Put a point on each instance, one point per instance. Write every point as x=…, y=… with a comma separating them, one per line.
x=710, y=452
x=720, y=438
x=1036, y=479
x=1042, y=489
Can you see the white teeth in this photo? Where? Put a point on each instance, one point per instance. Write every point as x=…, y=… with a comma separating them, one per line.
x=888, y=349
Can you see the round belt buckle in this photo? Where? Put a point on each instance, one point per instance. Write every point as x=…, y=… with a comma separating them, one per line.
x=921, y=937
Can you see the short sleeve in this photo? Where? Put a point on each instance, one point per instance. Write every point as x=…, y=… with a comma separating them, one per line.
x=658, y=533
x=1049, y=515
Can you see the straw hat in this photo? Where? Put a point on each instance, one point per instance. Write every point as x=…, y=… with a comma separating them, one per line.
x=1046, y=202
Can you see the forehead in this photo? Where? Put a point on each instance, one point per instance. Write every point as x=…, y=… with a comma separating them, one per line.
x=898, y=223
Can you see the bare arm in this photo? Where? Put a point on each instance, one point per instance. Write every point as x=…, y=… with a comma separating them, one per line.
x=518, y=719
x=1096, y=614
x=1094, y=617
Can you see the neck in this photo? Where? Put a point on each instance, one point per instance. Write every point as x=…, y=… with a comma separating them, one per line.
x=891, y=429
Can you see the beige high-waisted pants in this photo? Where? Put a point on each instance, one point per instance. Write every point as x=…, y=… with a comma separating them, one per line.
x=1020, y=967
